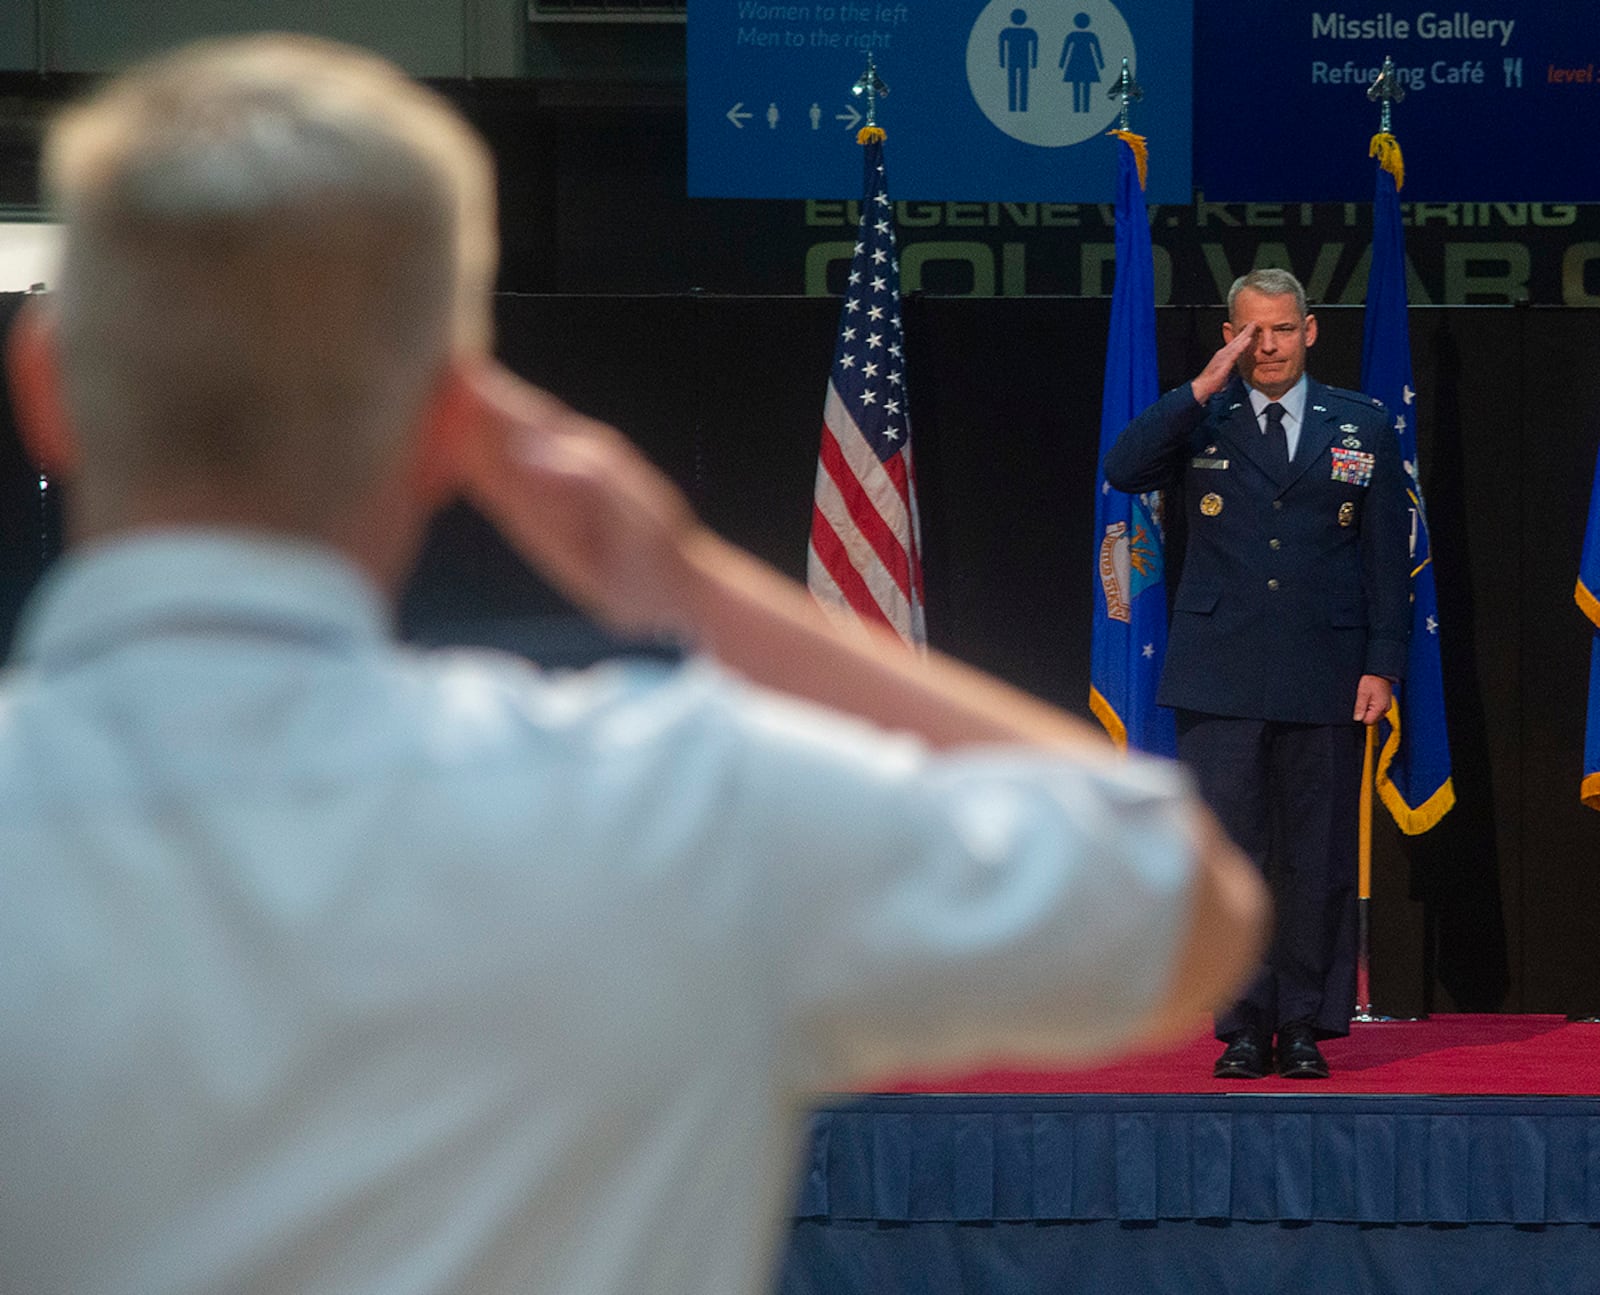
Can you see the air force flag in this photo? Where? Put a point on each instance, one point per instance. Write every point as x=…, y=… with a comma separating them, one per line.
x=1130, y=602
x=1413, y=776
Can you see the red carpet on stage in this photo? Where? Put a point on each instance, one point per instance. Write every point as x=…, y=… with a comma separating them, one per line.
x=1447, y=1055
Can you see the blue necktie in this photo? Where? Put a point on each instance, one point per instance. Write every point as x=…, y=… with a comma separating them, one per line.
x=1277, y=441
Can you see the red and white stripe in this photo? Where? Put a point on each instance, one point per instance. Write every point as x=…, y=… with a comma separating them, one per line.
x=863, y=559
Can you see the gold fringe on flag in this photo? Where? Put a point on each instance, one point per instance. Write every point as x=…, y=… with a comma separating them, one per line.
x=870, y=135
x=1588, y=602
x=1106, y=713
x=1386, y=148
x=1413, y=822
x=1141, y=152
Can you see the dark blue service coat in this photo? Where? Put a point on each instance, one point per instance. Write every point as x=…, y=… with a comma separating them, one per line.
x=1291, y=589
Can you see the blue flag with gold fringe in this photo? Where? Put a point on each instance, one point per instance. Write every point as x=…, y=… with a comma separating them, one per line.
x=1413, y=772
x=1130, y=600
x=1588, y=596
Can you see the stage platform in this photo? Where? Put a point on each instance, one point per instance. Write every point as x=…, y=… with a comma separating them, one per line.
x=1460, y=1153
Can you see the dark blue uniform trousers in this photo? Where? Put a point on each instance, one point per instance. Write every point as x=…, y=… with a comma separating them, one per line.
x=1288, y=794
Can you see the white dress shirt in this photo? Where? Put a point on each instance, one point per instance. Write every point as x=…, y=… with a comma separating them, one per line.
x=328, y=965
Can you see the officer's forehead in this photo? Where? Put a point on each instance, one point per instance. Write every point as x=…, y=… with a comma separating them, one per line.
x=1274, y=305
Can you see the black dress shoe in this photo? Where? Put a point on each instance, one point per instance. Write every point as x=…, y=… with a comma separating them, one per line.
x=1298, y=1054
x=1245, y=1057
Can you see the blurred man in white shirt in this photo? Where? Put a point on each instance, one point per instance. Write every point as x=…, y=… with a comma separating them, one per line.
x=329, y=965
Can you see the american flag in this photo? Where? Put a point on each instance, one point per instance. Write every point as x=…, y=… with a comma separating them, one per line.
x=864, y=559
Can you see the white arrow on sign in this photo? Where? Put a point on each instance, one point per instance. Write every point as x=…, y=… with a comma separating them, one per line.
x=849, y=117
x=738, y=118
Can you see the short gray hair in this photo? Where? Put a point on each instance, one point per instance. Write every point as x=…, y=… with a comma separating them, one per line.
x=273, y=245
x=1271, y=283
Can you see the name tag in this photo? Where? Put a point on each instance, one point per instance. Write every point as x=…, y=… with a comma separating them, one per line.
x=1353, y=467
x=1215, y=464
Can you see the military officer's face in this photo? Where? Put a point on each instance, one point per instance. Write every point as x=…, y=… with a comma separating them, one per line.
x=1277, y=356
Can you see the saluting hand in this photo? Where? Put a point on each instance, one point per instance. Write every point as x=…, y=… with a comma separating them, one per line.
x=1216, y=375
x=581, y=503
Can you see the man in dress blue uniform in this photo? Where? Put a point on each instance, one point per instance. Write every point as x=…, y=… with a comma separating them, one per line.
x=1288, y=632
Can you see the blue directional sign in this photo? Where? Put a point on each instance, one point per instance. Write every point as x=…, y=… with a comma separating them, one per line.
x=1502, y=99
x=1001, y=102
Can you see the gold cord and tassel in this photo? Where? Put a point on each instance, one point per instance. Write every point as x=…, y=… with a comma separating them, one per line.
x=1141, y=152
x=1386, y=148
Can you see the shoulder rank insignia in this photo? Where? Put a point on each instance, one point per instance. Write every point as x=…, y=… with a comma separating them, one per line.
x=1211, y=505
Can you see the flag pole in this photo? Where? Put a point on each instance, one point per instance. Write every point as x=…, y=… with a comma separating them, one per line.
x=1364, y=1012
x=863, y=562
x=1386, y=90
